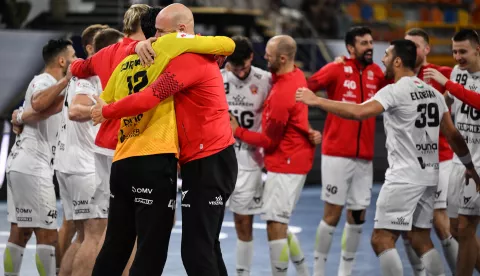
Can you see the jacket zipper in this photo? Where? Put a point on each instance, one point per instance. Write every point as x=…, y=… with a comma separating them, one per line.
x=360, y=123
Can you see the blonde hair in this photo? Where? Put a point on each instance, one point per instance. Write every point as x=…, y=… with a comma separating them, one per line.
x=89, y=33
x=132, y=17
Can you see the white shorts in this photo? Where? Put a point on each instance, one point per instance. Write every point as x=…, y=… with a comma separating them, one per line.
x=103, y=167
x=347, y=181
x=34, y=200
x=442, y=188
x=246, y=199
x=280, y=195
x=77, y=192
x=462, y=198
x=10, y=204
x=401, y=205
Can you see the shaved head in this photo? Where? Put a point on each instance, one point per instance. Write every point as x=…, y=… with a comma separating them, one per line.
x=284, y=45
x=174, y=18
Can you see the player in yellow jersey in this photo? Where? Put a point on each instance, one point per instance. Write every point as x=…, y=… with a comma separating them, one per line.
x=143, y=186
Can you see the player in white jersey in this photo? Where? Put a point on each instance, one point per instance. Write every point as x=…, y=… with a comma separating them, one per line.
x=30, y=172
x=414, y=113
x=84, y=200
x=463, y=207
x=247, y=87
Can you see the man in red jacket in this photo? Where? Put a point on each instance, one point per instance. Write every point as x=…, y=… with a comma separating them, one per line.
x=287, y=148
x=440, y=220
x=347, y=150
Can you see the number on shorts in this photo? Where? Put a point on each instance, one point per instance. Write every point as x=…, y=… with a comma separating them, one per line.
x=429, y=115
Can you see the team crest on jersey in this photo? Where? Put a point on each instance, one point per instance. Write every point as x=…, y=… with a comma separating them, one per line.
x=348, y=69
x=184, y=35
x=370, y=75
x=254, y=89
x=418, y=83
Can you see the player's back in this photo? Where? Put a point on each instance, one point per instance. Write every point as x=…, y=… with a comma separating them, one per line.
x=412, y=119
x=245, y=100
x=37, y=141
x=467, y=118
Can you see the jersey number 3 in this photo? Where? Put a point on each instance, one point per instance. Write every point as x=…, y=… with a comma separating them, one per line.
x=137, y=82
x=429, y=115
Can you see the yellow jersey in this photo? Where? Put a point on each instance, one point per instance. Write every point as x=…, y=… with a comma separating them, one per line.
x=155, y=131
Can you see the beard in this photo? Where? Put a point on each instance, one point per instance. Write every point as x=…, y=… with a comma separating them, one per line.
x=389, y=75
x=366, y=58
x=66, y=68
x=274, y=66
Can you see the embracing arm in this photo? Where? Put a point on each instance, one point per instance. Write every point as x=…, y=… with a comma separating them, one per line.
x=469, y=97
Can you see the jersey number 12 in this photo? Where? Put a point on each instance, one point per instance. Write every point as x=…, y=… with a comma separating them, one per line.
x=137, y=82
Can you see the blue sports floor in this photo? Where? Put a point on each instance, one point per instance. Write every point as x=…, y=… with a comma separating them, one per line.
x=306, y=217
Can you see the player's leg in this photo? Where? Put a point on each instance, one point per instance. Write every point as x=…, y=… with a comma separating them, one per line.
x=207, y=184
x=413, y=258
x=120, y=235
x=393, y=215
x=420, y=234
x=89, y=214
x=280, y=197
x=244, y=203
x=358, y=199
x=66, y=267
x=17, y=240
x=337, y=174
x=65, y=235
x=126, y=271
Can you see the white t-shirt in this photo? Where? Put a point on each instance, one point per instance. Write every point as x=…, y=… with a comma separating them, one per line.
x=34, y=148
x=75, y=144
x=467, y=118
x=245, y=100
x=413, y=112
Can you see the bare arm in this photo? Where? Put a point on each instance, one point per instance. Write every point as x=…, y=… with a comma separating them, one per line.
x=454, y=138
x=351, y=111
x=79, y=110
x=45, y=98
x=31, y=116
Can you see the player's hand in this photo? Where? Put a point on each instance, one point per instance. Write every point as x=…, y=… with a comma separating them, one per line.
x=434, y=74
x=145, y=51
x=233, y=123
x=68, y=75
x=472, y=174
x=16, y=126
x=305, y=96
x=17, y=129
x=340, y=59
x=315, y=136
x=96, y=111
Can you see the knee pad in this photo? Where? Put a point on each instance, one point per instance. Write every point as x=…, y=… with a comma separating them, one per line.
x=357, y=214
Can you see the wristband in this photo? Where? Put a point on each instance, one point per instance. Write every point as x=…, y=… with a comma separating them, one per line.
x=466, y=159
x=19, y=116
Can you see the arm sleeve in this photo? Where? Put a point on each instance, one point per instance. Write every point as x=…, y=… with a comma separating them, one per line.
x=130, y=49
x=180, y=74
x=321, y=78
x=467, y=96
x=40, y=85
x=86, y=68
x=271, y=136
x=385, y=97
x=84, y=87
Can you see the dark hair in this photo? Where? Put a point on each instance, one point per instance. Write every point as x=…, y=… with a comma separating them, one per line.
x=354, y=32
x=243, y=50
x=147, y=22
x=89, y=33
x=406, y=50
x=419, y=32
x=53, y=48
x=467, y=34
x=105, y=38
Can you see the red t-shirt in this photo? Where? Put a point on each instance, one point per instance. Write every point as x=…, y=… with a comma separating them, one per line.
x=444, y=152
x=203, y=121
x=284, y=135
x=102, y=64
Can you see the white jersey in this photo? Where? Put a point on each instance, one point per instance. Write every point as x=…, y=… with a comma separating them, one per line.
x=467, y=118
x=413, y=112
x=245, y=100
x=34, y=148
x=75, y=144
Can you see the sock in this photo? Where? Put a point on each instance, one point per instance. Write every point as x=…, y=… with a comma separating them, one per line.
x=45, y=259
x=417, y=265
x=296, y=254
x=450, y=250
x=244, y=257
x=390, y=263
x=12, y=259
x=323, y=241
x=350, y=240
x=279, y=257
x=433, y=263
